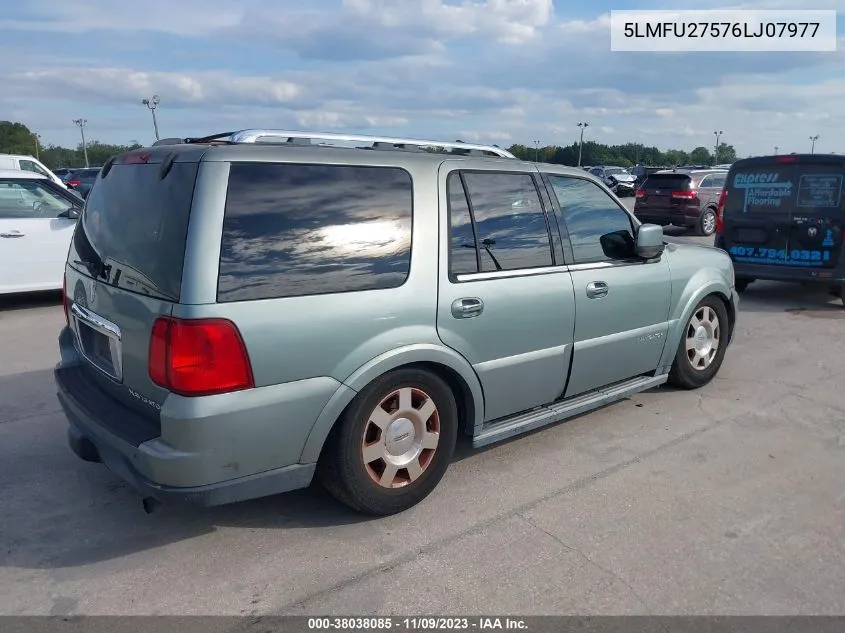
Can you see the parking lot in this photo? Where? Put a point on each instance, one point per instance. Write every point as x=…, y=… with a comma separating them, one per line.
x=728, y=500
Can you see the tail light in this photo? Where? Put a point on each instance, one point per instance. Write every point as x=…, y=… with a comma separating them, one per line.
x=787, y=159
x=641, y=193
x=64, y=298
x=720, y=211
x=73, y=183
x=684, y=195
x=198, y=357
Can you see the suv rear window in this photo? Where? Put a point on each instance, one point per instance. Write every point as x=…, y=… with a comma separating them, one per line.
x=293, y=230
x=670, y=182
x=786, y=190
x=134, y=228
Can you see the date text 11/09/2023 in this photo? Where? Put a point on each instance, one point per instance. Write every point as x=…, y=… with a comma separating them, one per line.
x=417, y=623
x=757, y=254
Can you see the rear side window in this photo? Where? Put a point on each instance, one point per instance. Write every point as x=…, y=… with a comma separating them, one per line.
x=135, y=225
x=713, y=180
x=508, y=229
x=292, y=230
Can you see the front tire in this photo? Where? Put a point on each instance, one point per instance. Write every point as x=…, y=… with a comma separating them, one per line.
x=393, y=444
x=702, y=347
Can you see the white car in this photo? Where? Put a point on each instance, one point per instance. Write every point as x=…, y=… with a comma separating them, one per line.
x=30, y=164
x=37, y=219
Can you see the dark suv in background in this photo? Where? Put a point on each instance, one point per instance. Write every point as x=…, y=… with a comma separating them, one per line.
x=782, y=218
x=682, y=198
x=81, y=180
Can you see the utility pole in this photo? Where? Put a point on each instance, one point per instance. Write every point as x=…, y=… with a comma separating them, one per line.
x=776, y=150
x=152, y=104
x=813, y=139
x=583, y=125
x=81, y=123
x=716, y=151
x=37, y=139
x=536, y=151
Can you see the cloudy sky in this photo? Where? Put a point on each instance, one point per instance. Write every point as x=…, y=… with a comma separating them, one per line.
x=500, y=71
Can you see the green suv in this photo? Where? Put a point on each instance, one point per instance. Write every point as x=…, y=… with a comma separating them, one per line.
x=248, y=311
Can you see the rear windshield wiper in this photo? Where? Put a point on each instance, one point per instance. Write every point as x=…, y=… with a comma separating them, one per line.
x=95, y=267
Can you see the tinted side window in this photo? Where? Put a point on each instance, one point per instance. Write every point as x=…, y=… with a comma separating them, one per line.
x=718, y=180
x=462, y=249
x=598, y=229
x=293, y=230
x=509, y=221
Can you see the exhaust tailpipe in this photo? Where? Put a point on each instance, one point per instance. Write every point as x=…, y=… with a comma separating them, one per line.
x=150, y=504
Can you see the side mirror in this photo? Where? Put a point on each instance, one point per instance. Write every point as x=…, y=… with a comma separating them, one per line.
x=650, y=241
x=70, y=214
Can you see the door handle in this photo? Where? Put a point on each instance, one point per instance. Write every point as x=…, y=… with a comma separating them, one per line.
x=12, y=234
x=467, y=308
x=596, y=289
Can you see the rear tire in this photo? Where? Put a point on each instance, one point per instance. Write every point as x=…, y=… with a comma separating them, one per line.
x=707, y=223
x=393, y=444
x=742, y=283
x=701, y=349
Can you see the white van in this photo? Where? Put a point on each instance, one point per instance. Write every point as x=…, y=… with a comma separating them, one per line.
x=19, y=162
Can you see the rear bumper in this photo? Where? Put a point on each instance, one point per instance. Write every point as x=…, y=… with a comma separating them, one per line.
x=227, y=449
x=685, y=216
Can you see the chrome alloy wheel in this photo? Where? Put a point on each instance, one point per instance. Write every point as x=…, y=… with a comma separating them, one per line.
x=702, y=338
x=708, y=223
x=400, y=438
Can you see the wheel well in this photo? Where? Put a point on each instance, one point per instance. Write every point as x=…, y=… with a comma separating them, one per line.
x=460, y=389
x=729, y=308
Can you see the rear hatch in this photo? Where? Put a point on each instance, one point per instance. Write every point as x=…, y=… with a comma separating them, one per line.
x=664, y=195
x=125, y=269
x=785, y=211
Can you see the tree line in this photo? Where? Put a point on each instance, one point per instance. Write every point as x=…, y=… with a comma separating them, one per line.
x=626, y=155
x=17, y=138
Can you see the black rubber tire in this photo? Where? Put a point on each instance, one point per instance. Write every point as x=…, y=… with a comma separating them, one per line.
x=682, y=374
x=699, y=228
x=742, y=283
x=341, y=468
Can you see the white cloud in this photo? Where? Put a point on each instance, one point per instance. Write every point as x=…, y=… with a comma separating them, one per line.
x=432, y=68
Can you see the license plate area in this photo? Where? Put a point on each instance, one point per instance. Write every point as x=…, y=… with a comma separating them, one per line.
x=99, y=341
x=750, y=235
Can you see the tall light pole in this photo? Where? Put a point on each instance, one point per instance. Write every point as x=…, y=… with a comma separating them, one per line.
x=583, y=125
x=776, y=150
x=81, y=123
x=37, y=138
x=716, y=151
x=536, y=151
x=813, y=139
x=152, y=104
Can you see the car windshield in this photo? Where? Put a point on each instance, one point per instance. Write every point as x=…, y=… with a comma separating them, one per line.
x=615, y=170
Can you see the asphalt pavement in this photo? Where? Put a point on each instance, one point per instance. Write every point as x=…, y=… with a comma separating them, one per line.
x=728, y=500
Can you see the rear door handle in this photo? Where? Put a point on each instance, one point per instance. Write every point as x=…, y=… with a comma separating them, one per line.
x=467, y=308
x=12, y=234
x=596, y=289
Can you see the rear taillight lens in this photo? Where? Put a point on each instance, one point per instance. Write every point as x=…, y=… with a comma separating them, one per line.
x=641, y=193
x=64, y=299
x=720, y=211
x=198, y=357
x=684, y=195
x=787, y=159
x=73, y=183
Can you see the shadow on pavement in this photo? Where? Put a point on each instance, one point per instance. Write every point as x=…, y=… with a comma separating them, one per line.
x=30, y=300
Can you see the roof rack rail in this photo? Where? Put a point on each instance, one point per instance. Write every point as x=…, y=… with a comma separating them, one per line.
x=378, y=142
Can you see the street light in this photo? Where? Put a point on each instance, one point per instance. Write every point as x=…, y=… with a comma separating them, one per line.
x=152, y=104
x=716, y=152
x=813, y=139
x=536, y=151
x=81, y=123
x=776, y=150
x=37, y=138
x=583, y=125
